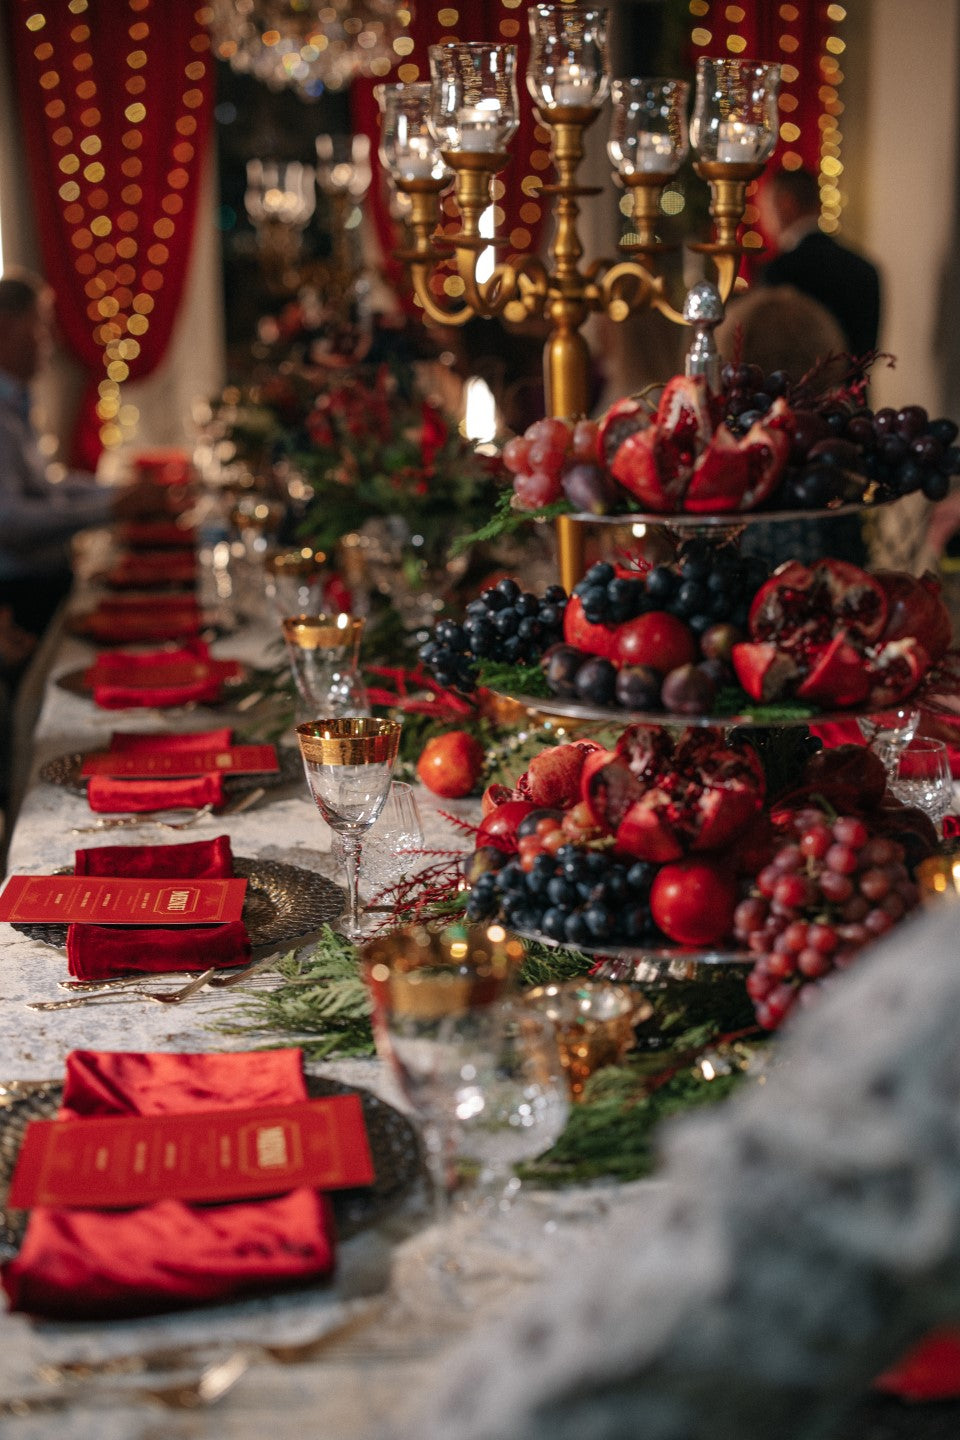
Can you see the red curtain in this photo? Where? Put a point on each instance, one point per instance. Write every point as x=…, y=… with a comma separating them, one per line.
x=493, y=21
x=806, y=38
x=115, y=98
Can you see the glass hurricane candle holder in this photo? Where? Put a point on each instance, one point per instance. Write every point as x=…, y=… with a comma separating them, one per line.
x=349, y=768
x=735, y=118
x=408, y=148
x=474, y=103
x=594, y=1022
x=921, y=777
x=648, y=129
x=323, y=651
x=568, y=57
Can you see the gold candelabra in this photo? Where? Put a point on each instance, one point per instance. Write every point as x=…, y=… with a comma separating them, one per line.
x=457, y=127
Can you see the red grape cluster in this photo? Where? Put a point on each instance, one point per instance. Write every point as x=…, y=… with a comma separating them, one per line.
x=554, y=458
x=830, y=888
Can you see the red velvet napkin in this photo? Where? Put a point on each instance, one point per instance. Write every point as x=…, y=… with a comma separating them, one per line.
x=101, y=952
x=112, y=689
x=127, y=741
x=164, y=467
x=87, y=1264
x=155, y=535
x=167, y=567
x=192, y=860
x=928, y=1371
x=120, y=627
x=107, y=795
x=122, y=605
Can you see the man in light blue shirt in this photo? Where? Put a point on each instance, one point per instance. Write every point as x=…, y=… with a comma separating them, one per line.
x=37, y=516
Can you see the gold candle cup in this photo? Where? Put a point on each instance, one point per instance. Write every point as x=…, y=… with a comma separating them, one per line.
x=594, y=1023
x=939, y=875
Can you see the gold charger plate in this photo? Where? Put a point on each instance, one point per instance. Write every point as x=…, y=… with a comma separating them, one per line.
x=394, y=1148
x=64, y=770
x=282, y=903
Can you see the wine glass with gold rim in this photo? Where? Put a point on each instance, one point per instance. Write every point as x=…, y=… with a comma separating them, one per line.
x=349, y=764
x=323, y=651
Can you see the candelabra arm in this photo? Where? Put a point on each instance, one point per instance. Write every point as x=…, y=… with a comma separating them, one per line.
x=645, y=291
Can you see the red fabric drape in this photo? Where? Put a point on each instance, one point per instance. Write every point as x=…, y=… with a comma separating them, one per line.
x=492, y=21
x=115, y=98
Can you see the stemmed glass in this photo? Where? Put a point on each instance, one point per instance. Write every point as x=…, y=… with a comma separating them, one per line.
x=349, y=766
x=434, y=990
x=323, y=651
x=922, y=778
x=889, y=732
x=511, y=1098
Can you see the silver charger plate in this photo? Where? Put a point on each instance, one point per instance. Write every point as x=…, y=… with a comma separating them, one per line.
x=64, y=770
x=282, y=903
x=394, y=1148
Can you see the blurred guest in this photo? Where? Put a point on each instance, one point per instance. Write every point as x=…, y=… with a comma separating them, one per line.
x=843, y=281
x=778, y=328
x=37, y=516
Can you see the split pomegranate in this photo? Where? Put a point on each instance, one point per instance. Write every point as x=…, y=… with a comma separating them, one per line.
x=685, y=460
x=662, y=799
x=827, y=633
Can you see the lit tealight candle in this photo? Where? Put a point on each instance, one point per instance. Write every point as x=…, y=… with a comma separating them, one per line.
x=416, y=161
x=479, y=127
x=655, y=153
x=573, y=86
x=738, y=143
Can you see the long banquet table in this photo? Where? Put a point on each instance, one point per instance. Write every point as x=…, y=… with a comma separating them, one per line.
x=387, y=1314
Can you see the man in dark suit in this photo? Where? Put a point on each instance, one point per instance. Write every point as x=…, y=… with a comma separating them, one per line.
x=844, y=282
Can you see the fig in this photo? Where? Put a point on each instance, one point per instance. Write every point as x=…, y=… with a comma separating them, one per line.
x=590, y=488
x=688, y=690
x=528, y=825
x=596, y=681
x=487, y=857
x=717, y=643
x=560, y=665
x=638, y=688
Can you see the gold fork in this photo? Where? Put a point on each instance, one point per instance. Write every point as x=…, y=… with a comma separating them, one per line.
x=159, y=997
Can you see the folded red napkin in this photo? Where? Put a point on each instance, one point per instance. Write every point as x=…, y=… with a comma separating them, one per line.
x=164, y=467
x=168, y=567
x=930, y=1370
x=133, y=604
x=125, y=741
x=192, y=860
x=118, y=681
x=155, y=534
x=116, y=627
x=107, y=795
x=100, y=952
x=86, y=1264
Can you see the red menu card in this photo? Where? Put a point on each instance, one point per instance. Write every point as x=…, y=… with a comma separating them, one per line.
x=219, y=1155
x=174, y=763
x=102, y=900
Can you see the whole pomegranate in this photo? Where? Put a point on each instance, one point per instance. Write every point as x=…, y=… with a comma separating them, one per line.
x=450, y=765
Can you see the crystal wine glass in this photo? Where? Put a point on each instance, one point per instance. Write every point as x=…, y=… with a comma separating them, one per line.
x=323, y=651
x=349, y=766
x=432, y=989
x=889, y=732
x=511, y=1097
x=922, y=778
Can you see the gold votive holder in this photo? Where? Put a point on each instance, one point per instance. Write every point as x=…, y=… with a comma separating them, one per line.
x=939, y=875
x=594, y=1022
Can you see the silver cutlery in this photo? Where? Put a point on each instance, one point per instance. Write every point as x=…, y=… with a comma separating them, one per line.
x=148, y=817
x=210, y=1386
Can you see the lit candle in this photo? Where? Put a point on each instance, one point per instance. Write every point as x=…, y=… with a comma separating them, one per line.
x=479, y=127
x=573, y=86
x=655, y=153
x=738, y=143
x=416, y=161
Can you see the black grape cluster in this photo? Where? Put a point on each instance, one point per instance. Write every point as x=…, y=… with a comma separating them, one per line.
x=838, y=447
x=575, y=896
x=707, y=586
x=504, y=623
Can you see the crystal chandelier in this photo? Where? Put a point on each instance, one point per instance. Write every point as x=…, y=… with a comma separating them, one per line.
x=307, y=45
